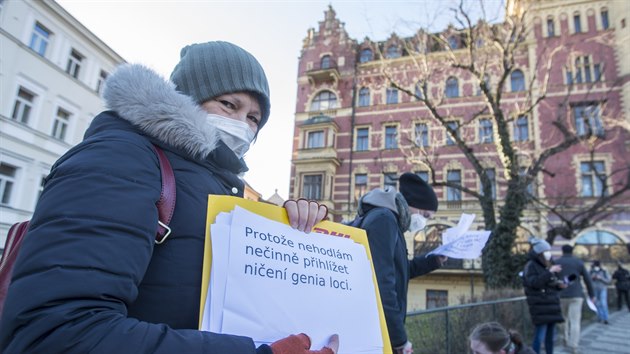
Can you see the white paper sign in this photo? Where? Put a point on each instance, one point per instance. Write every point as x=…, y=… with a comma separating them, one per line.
x=269, y=281
x=458, y=242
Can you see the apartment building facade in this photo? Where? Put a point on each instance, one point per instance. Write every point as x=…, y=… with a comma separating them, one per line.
x=52, y=70
x=361, y=121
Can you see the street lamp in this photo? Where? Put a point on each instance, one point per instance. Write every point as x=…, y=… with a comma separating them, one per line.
x=471, y=265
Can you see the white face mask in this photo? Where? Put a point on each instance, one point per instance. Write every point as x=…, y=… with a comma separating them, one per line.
x=235, y=134
x=418, y=222
x=547, y=255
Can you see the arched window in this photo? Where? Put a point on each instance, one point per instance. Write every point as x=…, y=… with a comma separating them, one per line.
x=326, y=62
x=392, y=52
x=452, y=87
x=517, y=80
x=324, y=100
x=364, y=97
x=600, y=245
x=366, y=55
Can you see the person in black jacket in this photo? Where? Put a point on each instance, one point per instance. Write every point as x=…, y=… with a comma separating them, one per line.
x=540, y=279
x=89, y=277
x=622, y=283
x=572, y=297
x=386, y=215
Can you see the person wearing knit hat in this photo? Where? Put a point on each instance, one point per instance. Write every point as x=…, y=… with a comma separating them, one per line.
x=542, y=286
x=113, y=283
x=386, y=214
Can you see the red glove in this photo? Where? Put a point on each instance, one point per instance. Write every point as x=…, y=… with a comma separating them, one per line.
x=297, y=344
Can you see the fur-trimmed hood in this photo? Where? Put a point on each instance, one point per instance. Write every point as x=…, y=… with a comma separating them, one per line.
x=151, y=103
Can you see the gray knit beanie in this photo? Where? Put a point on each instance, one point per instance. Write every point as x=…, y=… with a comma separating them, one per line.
x=208, y=70
x=539, y=245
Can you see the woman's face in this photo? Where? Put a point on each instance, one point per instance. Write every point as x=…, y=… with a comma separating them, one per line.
x=428, y=214
x=479, y=347
x=241, y=106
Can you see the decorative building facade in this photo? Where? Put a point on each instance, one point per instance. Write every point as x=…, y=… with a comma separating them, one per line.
x=364, y=116
x=52, y=71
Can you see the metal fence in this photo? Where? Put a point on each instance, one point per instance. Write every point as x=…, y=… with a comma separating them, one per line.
x=446, y=329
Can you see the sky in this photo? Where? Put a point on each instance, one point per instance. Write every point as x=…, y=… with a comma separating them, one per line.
x=153, y=32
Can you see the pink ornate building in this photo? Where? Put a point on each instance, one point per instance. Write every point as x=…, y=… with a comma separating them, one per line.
x=361, y=118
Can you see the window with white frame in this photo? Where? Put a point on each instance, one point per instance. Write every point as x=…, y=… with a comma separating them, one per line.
x=60, y=124
x=453, y=42
x=363, y=139
x=325, y=62
x=551, y=28
x=323, y=101
x=364, y=97
x=453, y=193
x=486, y=80
x=422, y=134
x=366, y=55
x=392, y=52
x=437, y=298
x=584, y=70
x=454, y=126
x=521, y=128
x=391, y=137
x=391, y=95
x=604, y=16
x=23, y=105
x=593, y=177
x=101, y=80
x=40, y=39
x=490, y=172
x=587, y=118
x=315, y=139
x=485, y=131
x=74, y=63
x=312, y=187
x=7, y=181
x=577, y=23
x=424, y=175
x=420, y=90
x=522, y=173
x=517, y=81
x=452, y=87
x=360, y=185
x=390, y=179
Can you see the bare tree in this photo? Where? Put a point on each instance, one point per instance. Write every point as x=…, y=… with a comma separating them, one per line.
x=491, y=54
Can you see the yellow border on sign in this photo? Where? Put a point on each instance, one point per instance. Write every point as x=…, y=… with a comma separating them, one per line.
x=223, y=203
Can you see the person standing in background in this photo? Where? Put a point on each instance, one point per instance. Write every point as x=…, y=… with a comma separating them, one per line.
x=601, y=280
x=572, y=297
x=540, y=279
x=622, y=283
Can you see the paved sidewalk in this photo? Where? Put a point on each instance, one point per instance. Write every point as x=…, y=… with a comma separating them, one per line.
x=598, y=338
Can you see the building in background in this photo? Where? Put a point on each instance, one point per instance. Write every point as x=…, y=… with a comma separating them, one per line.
x=355, y=131
x=52, y=70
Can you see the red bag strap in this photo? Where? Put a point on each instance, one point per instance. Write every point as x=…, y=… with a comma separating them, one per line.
x=166, y=204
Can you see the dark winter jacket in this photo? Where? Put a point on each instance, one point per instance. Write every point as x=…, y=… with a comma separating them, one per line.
x=89, y=277
x=393, y=268
x=622, y=279
x=541, y=290
x=574, y=267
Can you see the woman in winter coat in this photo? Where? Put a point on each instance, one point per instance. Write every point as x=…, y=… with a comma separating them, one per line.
x=89, y=277
x=601, y=280
x=541, y=289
